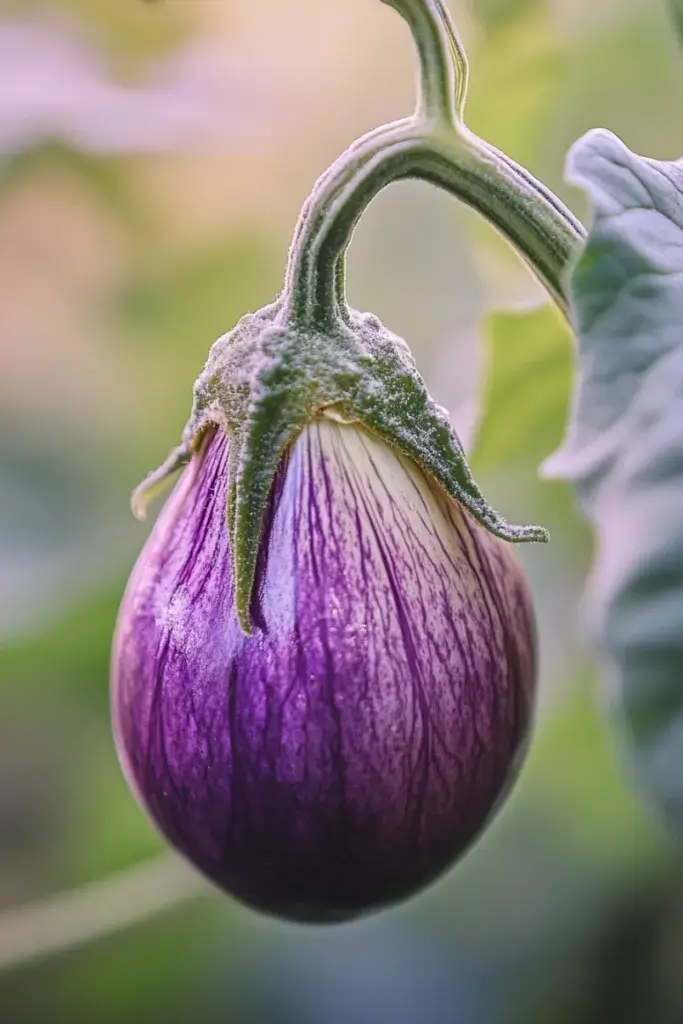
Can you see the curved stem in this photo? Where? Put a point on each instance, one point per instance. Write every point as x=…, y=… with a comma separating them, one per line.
x=303, y=267
x=436, y=146
x=525, y=212
x=351, y=160
x=444, y=80
x=539, y=226
x=443, y=73
x=458, y=53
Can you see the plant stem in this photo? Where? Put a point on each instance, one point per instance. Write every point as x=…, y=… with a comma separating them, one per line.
x=435, y=146
x=542, y=230
x=75, y=918
x=443, y=79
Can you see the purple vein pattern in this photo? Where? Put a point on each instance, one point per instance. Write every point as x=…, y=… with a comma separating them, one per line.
x=348, y=751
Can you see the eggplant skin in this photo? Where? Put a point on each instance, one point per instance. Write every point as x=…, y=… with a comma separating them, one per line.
x=348, y=751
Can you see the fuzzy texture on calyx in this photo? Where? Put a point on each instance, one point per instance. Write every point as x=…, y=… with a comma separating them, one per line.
x=267, y=378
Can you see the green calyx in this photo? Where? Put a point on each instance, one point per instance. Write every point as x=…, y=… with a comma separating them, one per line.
x=308, y=354
x=268, y=378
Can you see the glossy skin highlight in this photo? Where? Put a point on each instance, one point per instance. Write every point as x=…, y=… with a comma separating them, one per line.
x=345, y=754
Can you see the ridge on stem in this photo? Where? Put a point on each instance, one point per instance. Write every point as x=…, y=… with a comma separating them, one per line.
x=433, y=145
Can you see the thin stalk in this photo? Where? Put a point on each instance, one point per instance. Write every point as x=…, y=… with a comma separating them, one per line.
x=443, y=80
x=75, y=918
x=542, y=230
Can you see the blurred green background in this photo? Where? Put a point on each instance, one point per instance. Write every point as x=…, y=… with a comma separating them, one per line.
x=153, y=158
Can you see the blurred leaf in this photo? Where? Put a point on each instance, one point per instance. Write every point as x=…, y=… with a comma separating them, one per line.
x=144, y=975
x=518, y=75
x=624, y=446
x=570, y=847
x=676, y=12
x=628, y=78
x=196, y=301
x=527, y=387
x=572, y=772
x=103, y=808
x=53, y=516
x=524, y=407
x=47, y=501
x=494, y=13
x=69, y=660
x=150, y=974
x=169, y=321
x=63, y=674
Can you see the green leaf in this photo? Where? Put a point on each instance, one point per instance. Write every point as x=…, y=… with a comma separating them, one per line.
x=624, y=446
x=527, y=387
x=676, y=12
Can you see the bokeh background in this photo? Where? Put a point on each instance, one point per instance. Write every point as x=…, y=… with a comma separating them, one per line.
x=153, y=159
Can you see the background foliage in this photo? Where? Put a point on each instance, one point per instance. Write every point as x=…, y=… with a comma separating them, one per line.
x=153, y=158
